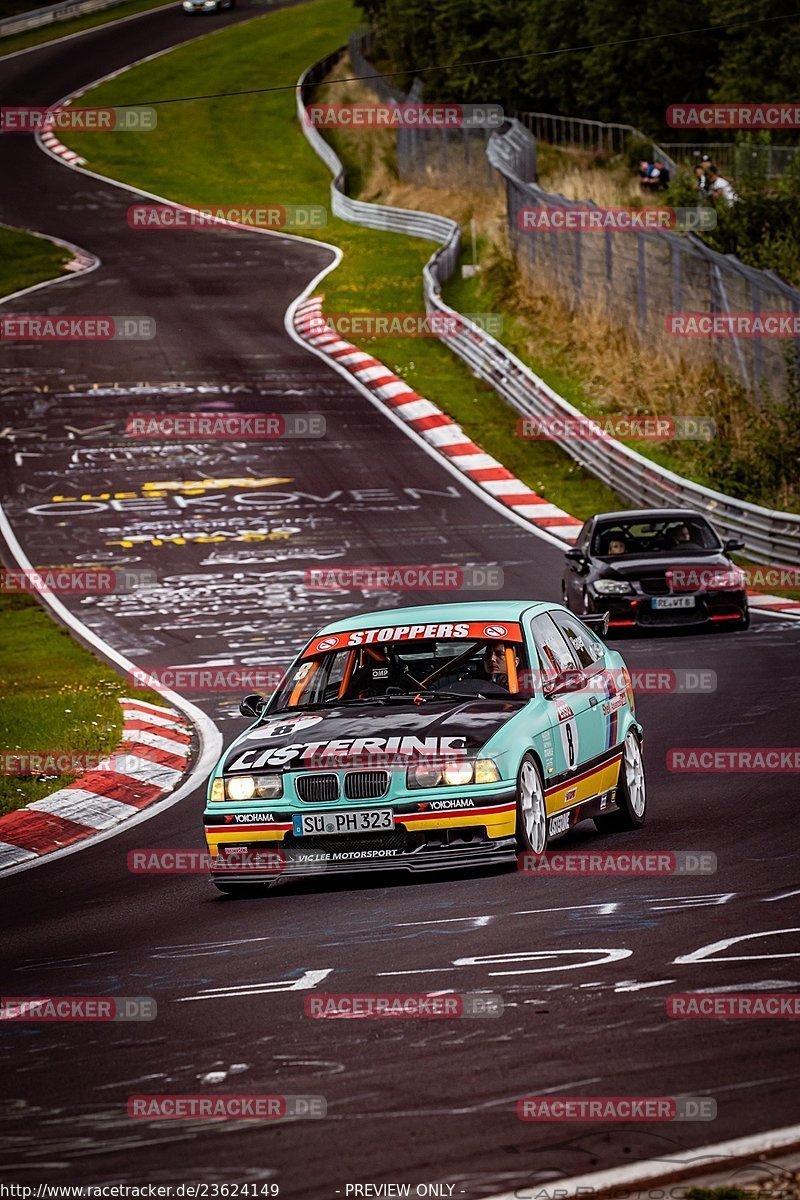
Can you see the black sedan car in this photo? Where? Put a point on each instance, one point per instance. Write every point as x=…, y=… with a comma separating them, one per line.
x=655, y=568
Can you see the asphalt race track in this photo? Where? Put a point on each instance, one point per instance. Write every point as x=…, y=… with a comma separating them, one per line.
x=583, y=965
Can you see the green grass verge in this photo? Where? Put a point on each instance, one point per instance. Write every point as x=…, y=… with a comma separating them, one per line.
x=48, y=33
x=250, y=149
x=26, y=260
x=56, y=697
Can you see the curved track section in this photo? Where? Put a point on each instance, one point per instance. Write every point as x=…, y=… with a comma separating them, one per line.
x=583, y=965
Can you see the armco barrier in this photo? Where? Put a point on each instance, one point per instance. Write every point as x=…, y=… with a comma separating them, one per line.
x=54, y=12
x=769, y=536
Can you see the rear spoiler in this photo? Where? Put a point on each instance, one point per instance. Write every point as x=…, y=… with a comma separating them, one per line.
x=597, y=621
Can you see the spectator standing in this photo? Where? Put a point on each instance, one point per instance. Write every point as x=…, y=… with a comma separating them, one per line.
x=720, y=189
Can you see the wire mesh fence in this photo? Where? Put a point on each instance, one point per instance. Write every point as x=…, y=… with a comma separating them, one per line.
x=770, y=536
x=737, y=159
x=659, y=283
x=598, y=137
x=638, y=277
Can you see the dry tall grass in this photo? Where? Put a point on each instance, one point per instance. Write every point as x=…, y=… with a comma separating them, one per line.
x=596, y=351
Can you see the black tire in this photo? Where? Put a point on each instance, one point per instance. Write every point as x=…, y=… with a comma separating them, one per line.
x=531, y=829
x=631, y=795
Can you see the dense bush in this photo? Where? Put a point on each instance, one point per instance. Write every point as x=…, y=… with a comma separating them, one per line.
x=631, y=61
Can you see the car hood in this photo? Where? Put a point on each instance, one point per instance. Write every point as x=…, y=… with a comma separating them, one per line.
x=655, y=566
x=369, y=734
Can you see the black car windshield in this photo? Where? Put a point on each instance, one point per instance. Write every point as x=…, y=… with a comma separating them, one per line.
x=667, y=535
x=449, y=667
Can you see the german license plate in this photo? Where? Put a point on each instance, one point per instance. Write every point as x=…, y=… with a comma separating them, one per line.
x=673, y=602
x=370, y=820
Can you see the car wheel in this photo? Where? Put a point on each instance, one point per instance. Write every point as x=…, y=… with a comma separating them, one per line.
x=631, y=791
x=531, y=812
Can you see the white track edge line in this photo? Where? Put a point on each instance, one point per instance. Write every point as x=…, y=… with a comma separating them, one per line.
x=65, y=276
x=388, y=412
x=67, y=37
x=203, y=722
x=653, y=1169
x=209, y=735
x=442, y=459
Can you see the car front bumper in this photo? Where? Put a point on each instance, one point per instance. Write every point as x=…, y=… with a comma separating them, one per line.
x=301, y=863
x=639, y=612
x=423, y=839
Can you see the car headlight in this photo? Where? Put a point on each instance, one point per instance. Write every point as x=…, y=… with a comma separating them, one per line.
x=612, y=587
x=423, y=776
x=453, y=774
x=254, y=787
x=458, y=773
x=217, y=789
x=486, y=771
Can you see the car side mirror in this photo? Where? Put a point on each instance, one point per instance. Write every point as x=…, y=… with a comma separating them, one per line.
x=732, y=544
x=578, y=559
x=564, y=682
x=253, y=705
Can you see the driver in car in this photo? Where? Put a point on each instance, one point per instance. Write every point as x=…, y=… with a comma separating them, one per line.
x=493, y=664
x=678, y=535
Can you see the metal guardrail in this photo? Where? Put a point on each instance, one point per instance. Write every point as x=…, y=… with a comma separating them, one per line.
x=769, y=536
x=54, y=12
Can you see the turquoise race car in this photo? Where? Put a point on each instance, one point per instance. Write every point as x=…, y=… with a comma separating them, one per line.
x=440, y=736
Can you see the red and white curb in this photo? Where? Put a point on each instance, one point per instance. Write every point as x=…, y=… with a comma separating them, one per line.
x=441, y=433
x=776, y=604
x=449, y=440
x=151, y=759
x=49, y=139
x=436, y=427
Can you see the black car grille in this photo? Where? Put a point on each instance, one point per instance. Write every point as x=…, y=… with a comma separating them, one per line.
x=655, y=585
x=317, y=789
x=366, y=785
x=395, y=839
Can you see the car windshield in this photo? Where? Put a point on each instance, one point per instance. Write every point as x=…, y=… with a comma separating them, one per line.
x=394, y=671
x=669, y=535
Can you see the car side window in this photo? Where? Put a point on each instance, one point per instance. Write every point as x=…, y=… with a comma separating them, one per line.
x=585, y=646
x=582, y=540
x=554, y=653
